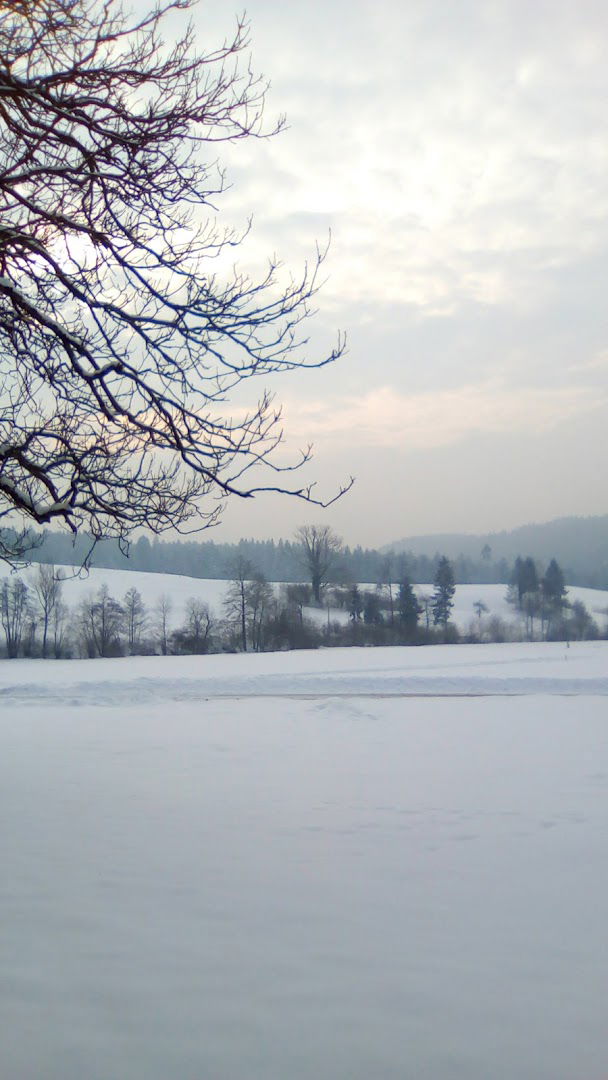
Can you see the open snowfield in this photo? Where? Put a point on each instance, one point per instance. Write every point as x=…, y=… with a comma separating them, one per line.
x=357, y=864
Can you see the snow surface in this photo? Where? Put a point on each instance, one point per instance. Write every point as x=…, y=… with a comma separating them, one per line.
x=352, y=864
x=515, y=668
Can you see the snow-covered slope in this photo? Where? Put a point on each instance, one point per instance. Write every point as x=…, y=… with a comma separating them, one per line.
x=494, y=597
x=180, y=589
x=151, y=586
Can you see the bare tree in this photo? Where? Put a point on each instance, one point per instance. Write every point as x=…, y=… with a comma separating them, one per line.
x=162, y=612
x=14, y=609
x=101, y=620
x=237, y=596
x=260, y=603
x=58, y=626
x=386, y=583
x=85, y=626
x=135, y=617
x=195, y=635
x=297, y=596
x=120, y=342
x=320, y=547
x=30, y=629
x=47, y=589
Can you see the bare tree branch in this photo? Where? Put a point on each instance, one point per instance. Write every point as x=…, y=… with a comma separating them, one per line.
x=118, y=343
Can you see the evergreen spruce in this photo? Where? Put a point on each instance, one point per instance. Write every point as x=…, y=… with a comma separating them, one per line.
x=408, y=608
x=443, y=596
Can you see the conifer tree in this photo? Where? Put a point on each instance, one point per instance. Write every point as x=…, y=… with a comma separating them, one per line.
x=443, y=595
x=554, y=585
x=408, y=607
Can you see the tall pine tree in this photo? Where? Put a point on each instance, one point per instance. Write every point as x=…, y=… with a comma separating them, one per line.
x=443, y=595
x=408, y=608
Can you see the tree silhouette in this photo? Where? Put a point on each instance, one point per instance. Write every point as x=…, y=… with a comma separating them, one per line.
x=121, y=342
x=320, y=547
x=443, y=595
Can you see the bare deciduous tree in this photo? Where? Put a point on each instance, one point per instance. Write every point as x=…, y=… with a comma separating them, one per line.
x=135, y=618
x=58, y=626
x=320, y=547
x=162, y=612
x=195, y=634
x=47, y=588
x=260, y=602
x=14, y=608
x=237, y=597
x=120, y=341
x=101, y=620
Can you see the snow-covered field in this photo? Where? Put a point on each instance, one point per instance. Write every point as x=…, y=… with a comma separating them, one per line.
x=521, y=668
x=353, y=864
x=180, y=589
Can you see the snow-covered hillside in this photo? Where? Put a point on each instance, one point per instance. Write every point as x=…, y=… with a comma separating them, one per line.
x=180, y=589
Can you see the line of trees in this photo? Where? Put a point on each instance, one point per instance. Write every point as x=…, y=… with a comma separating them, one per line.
x=36, y=622
x=542, y=601
x=278, y=560
x=257, y=616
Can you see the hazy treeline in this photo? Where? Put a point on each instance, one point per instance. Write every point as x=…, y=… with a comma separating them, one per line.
x=280, y=560
x=580, y=545
x=479, y=561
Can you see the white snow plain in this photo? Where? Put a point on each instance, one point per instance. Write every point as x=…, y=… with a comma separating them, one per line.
x=352, y=864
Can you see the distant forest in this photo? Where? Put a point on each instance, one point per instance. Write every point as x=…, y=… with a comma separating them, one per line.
x=580, y=545
x=280, y=560
x=283, y=561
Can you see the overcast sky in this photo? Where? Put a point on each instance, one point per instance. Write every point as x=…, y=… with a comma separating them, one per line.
x=458, y=150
